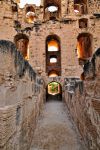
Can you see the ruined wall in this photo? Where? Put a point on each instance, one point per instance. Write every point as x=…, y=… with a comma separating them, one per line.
x=21, y=99
x=83, y=102
x=67, y=28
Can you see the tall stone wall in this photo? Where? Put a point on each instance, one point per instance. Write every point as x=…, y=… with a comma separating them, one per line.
x=21, y=99
x=83, y=102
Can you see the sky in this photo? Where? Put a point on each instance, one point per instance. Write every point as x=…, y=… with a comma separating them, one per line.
x=23, y=2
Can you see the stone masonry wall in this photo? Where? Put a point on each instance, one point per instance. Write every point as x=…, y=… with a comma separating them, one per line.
x=21, y=99
x=83, y=102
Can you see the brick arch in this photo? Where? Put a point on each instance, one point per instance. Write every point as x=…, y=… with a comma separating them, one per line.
x=80, y=6
x=54, y=40
x=55, y=94
x=49, y=15
x=52, y=2
x=30, y=15
x=20, y=36
x=22, y=41
x=84, y=45
x=56, y=79
x=55, y=37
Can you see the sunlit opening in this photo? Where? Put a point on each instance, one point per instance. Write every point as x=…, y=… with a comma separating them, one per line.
x=52, y=8
x=53, y=75
x=53, y=88
x=52, y=46
x=77, y=8
x=22, y=3
x=53, y=60
x=79, y=51
x=30, y=16
x=76, y=11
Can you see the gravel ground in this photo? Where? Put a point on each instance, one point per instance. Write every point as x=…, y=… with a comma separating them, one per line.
x=55, y=131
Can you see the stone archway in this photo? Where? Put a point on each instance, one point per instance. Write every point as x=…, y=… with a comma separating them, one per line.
x=80, y=6
x=30, y=14
x=84, y=47
x=22, y=43
x=54, y=91
x=53, y=55
x=52, y=9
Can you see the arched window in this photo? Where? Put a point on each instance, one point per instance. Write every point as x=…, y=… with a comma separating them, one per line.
x=30, y=14
x=52, y=9
x=53, y=55
x=80, y=6
x=84, y=46
x=22, y=42
x=53, y=59
x=83, y=23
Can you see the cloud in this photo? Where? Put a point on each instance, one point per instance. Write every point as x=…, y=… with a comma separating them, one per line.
x=23, y=2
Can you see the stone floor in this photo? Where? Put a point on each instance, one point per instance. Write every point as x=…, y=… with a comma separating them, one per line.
x=55, y=131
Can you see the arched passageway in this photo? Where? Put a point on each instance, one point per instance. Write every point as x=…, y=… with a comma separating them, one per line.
x=54, y=130
x=53, y=56
x=80, y=7
x=54, y=91
x=22, y=43
x=84, y=47
x=30, y=14
x=52, y=9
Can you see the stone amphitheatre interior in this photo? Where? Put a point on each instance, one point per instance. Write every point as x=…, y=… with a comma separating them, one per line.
x=49, y=74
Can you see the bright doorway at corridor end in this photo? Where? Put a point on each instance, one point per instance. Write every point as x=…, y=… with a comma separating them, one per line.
x=54, y=91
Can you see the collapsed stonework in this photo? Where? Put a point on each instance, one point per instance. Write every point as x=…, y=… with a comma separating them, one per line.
x=27, y=37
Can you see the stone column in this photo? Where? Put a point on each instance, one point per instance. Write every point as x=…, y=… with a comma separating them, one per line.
x=42, y=3
x=63, y=7
x=71, y=7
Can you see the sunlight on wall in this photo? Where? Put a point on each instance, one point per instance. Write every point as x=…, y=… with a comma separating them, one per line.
x=23, y=2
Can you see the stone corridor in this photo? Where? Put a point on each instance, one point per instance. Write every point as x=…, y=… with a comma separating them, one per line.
x=55, y=130
x=50, y=48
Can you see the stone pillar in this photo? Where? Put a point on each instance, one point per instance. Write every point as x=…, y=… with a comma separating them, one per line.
x=42, y=3
x=63, y=7
x=71, y=7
